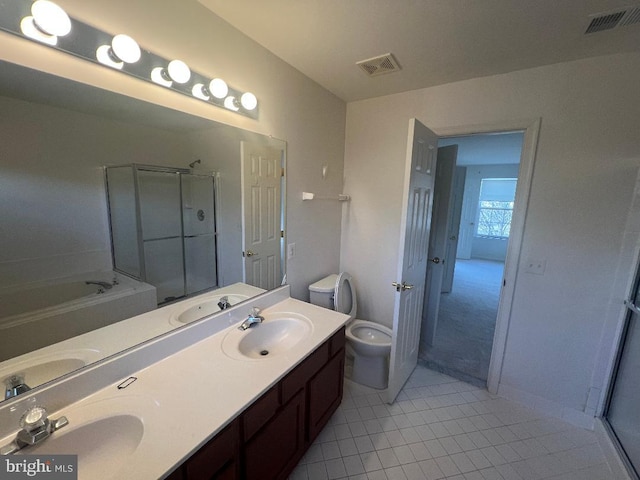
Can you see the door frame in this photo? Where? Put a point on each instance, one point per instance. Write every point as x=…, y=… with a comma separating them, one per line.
x=531, y=129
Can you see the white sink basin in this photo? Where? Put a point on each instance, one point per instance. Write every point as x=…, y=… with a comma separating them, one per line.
x=37, y=370
x=114, y=437
x=277, y=334
x=204, y=308
x=104, y=434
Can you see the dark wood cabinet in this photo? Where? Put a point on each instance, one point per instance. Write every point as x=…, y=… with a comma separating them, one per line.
x=276, y=449
x=270, y=437
x=219, y=459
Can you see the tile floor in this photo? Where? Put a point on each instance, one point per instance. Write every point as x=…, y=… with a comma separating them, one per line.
x=440, y=428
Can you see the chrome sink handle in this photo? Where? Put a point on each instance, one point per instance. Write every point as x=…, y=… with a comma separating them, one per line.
x=15, y=385
x=36, y=427
x=253, y=319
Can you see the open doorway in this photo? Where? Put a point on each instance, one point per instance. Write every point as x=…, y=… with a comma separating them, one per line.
x=478, y=225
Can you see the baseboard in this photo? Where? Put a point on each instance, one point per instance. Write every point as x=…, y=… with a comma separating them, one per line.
x=547, y=407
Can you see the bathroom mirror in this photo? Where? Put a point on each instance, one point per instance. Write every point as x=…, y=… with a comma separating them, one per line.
x=56, y=138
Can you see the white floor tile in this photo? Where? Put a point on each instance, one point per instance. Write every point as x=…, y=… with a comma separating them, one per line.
x=441, y=428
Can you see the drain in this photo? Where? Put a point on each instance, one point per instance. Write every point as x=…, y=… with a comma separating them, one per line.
x=264, y=352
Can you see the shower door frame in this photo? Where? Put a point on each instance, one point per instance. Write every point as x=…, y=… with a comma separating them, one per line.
x=632, y=470
x=135, y=168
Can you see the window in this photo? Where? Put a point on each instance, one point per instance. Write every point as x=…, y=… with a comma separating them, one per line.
x=495, y=207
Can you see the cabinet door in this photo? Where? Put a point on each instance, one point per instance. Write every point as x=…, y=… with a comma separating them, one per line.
x=274, y=451
x=325, y=394
x=218, y=459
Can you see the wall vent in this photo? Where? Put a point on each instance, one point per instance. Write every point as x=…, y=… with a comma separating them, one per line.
x=615, y=19
x=379, y=65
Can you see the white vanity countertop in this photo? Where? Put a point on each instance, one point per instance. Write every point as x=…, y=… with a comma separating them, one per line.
x=186, y=398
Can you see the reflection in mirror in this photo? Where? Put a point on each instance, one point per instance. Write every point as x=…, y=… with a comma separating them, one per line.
x=64, y=303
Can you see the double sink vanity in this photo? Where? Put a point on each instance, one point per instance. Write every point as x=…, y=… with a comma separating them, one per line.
x=209, y=400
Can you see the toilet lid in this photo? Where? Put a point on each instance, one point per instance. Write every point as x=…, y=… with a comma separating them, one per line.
x=344, y=295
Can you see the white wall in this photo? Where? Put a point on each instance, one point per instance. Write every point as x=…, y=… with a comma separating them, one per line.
x=587, y=157
x=292, y=107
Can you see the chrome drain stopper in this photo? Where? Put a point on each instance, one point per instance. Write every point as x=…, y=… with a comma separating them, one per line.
x=264, y=352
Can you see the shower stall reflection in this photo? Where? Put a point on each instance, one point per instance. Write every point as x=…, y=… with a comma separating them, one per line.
x=163, y=227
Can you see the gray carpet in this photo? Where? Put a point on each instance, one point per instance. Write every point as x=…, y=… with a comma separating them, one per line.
x=466, y=322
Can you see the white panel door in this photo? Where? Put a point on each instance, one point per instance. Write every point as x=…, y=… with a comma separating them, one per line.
x=442, y=195
x=454, y=228
x=414, y=237
x=261, y=177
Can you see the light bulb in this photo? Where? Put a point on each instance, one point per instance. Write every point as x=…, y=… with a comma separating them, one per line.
x=123, y=49
x=218, y=88
x=158, y=75
x=47, y=22
x=179, y=71
x=200, y=91
x=249, y=101
x=126, y=48
x=50, y=18
x=231, y=103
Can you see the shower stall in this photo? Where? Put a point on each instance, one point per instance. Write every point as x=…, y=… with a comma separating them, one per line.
x=163, y=227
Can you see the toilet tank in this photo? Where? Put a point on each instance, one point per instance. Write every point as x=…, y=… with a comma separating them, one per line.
x=321, y=292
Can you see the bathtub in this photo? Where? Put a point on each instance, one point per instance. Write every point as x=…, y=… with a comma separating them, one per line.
x=46, y=313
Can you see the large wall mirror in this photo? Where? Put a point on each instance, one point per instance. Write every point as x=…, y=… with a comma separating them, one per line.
x=184, y=196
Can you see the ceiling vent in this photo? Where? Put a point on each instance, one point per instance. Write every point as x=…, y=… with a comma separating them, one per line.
x=379, y=65
x=615, y=19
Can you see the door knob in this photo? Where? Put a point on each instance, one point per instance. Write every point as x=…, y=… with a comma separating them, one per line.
x=401, y=287
x=248, y=253
x=435, y=260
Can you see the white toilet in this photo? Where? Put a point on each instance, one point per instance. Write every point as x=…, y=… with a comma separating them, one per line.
x=370, y=342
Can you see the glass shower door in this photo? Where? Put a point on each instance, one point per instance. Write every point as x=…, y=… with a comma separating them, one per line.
x=623, y=411
x=198, y=214
x=162, y=232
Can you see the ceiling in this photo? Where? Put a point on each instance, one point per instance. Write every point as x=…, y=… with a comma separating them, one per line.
x=434, y=41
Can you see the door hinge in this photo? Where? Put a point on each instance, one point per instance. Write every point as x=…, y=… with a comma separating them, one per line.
x=281, y=233
x=282, y=172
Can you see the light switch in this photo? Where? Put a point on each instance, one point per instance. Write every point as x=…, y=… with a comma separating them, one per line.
x=291, y=250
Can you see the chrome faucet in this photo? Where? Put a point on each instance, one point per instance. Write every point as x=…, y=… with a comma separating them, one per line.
x=36, y=427
x=224, y=303
x=105, y=285
x=253, y=319
x=15, y=385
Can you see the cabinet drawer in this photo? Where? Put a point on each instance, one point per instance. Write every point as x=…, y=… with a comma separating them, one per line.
x=297, y=379
x=260, y=412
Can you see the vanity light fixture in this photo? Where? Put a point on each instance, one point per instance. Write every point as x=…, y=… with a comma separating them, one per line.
x=232, y=103
x=177, y=71
x=123, y=49
x=47, y=22
x=249, y=101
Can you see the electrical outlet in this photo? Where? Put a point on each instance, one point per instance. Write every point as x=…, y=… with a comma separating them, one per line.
x=535, y=266
x=291, y=251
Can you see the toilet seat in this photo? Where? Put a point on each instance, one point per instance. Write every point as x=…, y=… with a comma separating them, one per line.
x=370, y=332
x=344, y=295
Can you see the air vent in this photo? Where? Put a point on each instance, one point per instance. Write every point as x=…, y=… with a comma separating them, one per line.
x=379, y=65
x=611, y=20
